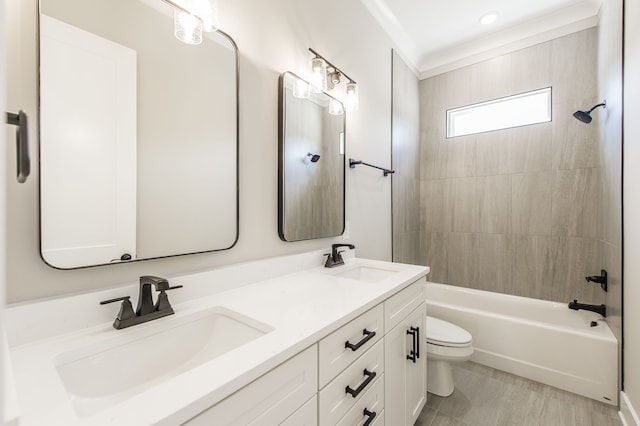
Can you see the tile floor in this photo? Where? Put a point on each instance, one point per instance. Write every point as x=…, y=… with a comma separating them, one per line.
x=488, y=397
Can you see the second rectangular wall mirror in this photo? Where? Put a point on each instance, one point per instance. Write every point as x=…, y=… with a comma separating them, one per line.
x=138, y=135
x=311, y=163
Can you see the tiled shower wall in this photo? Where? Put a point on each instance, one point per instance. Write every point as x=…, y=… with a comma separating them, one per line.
x=515, y=211
x=405, y=158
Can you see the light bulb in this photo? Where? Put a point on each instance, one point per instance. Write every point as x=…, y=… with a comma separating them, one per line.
x=319, y=75
x=351, y=102
x=300, y=89
x=335, y=107
x=335, y=77
x=187, y=28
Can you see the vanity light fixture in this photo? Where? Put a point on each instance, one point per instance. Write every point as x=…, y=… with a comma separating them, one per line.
x=192, y=17
x=351, y=102
x=187, y=27
x=318, y=75
x=326, y=76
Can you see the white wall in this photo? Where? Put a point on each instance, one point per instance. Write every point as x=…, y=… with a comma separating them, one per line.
x=631, y=272
x=3, y=175
x=272, y=37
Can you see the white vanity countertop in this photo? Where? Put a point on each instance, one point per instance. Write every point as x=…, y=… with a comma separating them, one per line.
x=301, y=308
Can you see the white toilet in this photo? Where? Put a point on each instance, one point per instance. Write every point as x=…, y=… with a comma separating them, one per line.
x=446, y=343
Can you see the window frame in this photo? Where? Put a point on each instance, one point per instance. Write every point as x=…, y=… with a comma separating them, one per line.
x=449, y=111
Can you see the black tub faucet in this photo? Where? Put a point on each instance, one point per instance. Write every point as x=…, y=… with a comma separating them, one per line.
x=598, y=309
x=335, y=257
x=146, y=310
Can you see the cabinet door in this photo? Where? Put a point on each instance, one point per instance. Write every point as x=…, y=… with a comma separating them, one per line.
x=405, y=380
x=416, y=373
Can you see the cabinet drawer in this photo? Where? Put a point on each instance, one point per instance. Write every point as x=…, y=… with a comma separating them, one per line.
x=335, y=402
x=271, y=398
x=398, y=306
x=335, y=357
x=373, y=401
x=307, y=415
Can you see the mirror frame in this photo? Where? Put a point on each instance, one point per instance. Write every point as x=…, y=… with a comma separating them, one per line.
x=234, y=46
x=281, y=161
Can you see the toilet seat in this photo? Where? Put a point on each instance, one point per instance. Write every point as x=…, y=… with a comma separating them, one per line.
x=443, y=333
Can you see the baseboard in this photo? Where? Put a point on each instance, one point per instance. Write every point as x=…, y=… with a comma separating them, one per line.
x=627, y=413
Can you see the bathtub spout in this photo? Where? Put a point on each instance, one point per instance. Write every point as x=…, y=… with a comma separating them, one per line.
x=598, y=309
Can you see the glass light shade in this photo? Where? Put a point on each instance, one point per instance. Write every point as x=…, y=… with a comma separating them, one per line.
x=187, y=28
x=335, y=107
x=301, y=89
x=351, y=102
x=207, y=10
x=318, y=75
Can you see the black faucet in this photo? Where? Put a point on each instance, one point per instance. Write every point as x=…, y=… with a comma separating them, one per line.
x=598, y=309
x=335, y=257
x=146, y=310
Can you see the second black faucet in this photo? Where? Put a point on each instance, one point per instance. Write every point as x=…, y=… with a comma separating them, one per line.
x=335, y=257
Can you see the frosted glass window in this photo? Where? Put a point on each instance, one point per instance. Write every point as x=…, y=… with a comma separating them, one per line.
x=513, y=111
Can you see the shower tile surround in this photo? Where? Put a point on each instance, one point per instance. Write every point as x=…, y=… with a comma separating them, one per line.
x=516, y=211
x=405, y=157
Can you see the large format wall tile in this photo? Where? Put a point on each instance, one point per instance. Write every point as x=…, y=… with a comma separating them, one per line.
x=465, y=205
x=493, y=154
x=495, y=263
x=435, y=205
x=461, y=156
x=576, y=258
x=406, y=246
x=531, y=149
x=433, y=154
x=494, y=194
x=463, y=259
x=532, y=265
x=405, y=182
x=435, y=248
x=575, y=144
x=576, y=203
x=531, y=196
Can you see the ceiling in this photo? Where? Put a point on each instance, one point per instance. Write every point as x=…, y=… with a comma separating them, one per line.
x=436, y=36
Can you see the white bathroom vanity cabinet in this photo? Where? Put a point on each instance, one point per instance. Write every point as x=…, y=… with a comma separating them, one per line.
x=389, y=384
x=307, y=345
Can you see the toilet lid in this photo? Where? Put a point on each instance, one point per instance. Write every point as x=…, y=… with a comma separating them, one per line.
x=444, y=333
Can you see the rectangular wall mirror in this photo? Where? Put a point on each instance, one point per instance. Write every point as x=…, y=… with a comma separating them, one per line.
x=311, y=163
x=138, y=135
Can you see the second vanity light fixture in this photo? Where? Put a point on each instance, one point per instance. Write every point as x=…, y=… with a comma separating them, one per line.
x=324, y=77
x=192, y=17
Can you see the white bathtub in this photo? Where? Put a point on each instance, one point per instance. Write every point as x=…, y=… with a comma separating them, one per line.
x=540, y=340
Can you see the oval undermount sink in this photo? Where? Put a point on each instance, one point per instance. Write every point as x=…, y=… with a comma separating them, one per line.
x=366, y=274
x=101, y=375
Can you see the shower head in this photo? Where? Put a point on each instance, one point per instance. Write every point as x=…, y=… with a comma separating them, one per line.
x=314, y=157
x=585, y=116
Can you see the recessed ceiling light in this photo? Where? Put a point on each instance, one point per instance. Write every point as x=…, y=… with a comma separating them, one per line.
x=489, y=18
